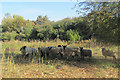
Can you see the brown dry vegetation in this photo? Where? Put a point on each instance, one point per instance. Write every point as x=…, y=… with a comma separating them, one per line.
x=14, y=66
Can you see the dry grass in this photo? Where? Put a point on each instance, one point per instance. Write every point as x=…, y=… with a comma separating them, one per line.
x=14, y=66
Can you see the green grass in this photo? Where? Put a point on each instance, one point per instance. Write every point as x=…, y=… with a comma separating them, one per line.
x=15, y=66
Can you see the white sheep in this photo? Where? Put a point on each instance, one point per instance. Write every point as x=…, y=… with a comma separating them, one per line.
x=26, y=51
x=108, y=53
x=85, y=52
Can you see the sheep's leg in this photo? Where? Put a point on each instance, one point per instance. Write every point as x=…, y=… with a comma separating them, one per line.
x=35, y=53
x=73, y=57
x=61, y=55
x=47, y=54
x=31, y=56
x=26, y=55
x=83, y=56
x=23, y=54
x=42, y=54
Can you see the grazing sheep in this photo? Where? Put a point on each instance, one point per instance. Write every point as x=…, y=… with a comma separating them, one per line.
x=44, y=51
x=68, y=52
x=28, y=51
x=54, y=51
x=108, y=53
x=85, y=52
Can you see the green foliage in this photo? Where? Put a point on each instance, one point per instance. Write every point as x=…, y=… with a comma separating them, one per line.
x=98, y=23
x=102, y=17
x=73, y=36
x=66, y=29
x=5, y=36
x=7, y=24
x=9, y=36
x=42, y=20
x=20, y=37
x=28, y=29
x=12, y=23
x=40, y=35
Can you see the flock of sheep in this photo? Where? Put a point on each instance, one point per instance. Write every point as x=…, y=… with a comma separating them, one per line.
x=63, y=51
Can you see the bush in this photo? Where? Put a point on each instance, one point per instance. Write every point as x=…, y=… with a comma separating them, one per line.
x=8, y=36
x=72, y=35
x=5, y=36
x=20, y=37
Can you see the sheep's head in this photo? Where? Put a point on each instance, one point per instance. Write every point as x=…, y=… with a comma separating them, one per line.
x=64, y=46
x=23, y=48
x=81, y=48
x=103, y=49
x=49, y=48
x=59, y=46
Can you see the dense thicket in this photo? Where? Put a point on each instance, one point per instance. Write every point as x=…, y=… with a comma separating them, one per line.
x=101, y=21
x=16, y=27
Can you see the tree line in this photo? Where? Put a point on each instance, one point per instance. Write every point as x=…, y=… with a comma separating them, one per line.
x=16, y=27
x=100, y=22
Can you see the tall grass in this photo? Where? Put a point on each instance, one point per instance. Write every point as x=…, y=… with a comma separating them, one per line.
x=14, y=65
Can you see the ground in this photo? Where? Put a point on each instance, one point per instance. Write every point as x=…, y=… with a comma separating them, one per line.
x=14, y=66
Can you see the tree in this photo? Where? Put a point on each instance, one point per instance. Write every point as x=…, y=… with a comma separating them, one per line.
x=18, y=23
x=28, y=29
x=7, y=24
x=42, y=20
x=100, y=16
x=12, y=23
x=45, y=19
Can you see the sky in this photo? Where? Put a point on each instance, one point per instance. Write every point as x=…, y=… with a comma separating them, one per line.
x=31, y=10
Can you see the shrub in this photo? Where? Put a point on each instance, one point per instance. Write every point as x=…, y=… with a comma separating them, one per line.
x=8, y=36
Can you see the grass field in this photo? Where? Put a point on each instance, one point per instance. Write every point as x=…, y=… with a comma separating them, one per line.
x=14, y=66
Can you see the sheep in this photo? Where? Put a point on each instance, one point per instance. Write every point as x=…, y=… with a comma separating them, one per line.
x=44, y=51
x=28, y=51
x=54, y=51
x=85, y=52
x=108, y=53
x=67, y=52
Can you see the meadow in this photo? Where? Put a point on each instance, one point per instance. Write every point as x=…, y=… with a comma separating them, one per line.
x=14, y=66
